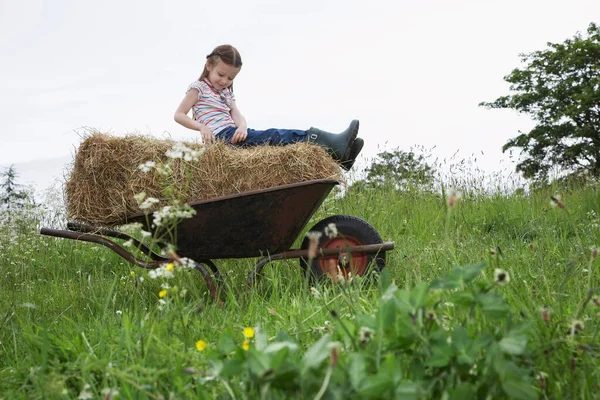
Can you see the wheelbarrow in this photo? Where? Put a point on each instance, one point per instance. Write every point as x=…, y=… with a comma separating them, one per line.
x=260, y=223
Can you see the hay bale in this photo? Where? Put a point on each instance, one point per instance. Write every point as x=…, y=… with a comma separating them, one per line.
x=106, y=175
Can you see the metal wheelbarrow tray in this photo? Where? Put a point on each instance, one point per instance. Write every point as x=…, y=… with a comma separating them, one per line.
x=261, y=223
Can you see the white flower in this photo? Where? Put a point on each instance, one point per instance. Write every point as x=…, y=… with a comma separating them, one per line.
x=161, y=271
x=172, y=214
x=146, y=234
x=178, y=150
x=147, y=166
x=315, y=292
x=119, y=312
x=331, y=231
x=187, y=262
x=149, y=202
x=109, y=393
x=140, y=197
x=501, y=277
x=128, y=243
x=85, y=393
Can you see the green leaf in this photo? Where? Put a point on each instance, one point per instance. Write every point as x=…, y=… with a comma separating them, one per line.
x=357, y=369
x=374, y=387
x=493, y=305
x=385, y=280
x=464, y=390
x=315, y=354
x=418, y=295
x=276, y=347
x=462, y=298
x=407, y=391
x=226, y=343
x=519, y=389
x=471, y=272
x=441, y=355
x=386, y=315
x=515, y=343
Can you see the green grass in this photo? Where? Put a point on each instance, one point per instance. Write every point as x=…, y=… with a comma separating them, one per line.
x=74, y=314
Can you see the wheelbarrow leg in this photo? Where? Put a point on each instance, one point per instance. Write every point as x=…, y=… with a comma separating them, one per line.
x=209, y=282
x=256, y=270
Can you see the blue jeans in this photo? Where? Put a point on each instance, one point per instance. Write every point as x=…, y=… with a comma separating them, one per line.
x=272, y=137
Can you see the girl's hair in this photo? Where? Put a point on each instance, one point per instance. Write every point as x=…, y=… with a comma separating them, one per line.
x=226, y=53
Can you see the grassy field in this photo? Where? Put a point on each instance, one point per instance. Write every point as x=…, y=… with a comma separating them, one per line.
x=76, y=321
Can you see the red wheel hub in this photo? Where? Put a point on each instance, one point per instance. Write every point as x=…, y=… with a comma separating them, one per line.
x=344, y=262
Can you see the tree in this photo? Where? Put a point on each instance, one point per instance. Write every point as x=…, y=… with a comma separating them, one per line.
x=398, y=169
x=559, y=87
x=12, y=193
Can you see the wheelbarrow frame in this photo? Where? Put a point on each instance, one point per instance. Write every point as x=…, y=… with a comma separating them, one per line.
x=261, y=223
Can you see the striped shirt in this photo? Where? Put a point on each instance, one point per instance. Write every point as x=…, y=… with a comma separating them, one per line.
x=212, y=108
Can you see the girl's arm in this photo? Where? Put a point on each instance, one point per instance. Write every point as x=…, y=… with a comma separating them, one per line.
x=182, y=118
x=240, y=122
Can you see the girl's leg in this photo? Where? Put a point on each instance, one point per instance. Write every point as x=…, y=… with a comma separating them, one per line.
x=272, y=137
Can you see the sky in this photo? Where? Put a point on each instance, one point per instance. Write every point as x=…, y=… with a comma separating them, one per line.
x=412, y=72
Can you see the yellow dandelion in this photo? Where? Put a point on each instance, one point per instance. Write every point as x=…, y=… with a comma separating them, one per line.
x=201, y=345
x=246, y=345
x=170, y=267
x=162, y=293
x=132, y=273
x=248, y=333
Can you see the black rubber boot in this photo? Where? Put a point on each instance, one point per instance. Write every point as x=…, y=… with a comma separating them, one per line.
x=354, y=151
x=338, y=144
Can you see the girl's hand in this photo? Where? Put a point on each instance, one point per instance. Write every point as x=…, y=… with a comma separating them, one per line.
x=207, y=135
x=240, y=135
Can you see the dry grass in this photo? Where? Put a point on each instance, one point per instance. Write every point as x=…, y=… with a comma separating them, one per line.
x=105, y=176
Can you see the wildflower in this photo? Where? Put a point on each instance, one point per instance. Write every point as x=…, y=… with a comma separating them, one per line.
x=140, y=197
x=365, y=334
x=333, y=357
x=576, y=327
x=453, y=198
x=109, y=393
x=162, y=293
x=146, y=233
x=556, y=201
x=313, y=244
x=128, y=243
x=169, y=267
x=160, y=272
x=246, y=345
x=331, y=231
x=148, y=202
x=119, y=312
x=248, y=333
x=201, y=345
x=542, y=376
x=501, y=277
x=315, y=292
x=172, y=214
x=132, y=273
x=147, y=166
x=85, y=393
x=545, y=314
x=178, y=150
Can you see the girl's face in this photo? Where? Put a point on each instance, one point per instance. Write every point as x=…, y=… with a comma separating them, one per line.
x=221, y=75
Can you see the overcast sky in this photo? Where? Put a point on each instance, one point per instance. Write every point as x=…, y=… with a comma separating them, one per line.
x=412, y=72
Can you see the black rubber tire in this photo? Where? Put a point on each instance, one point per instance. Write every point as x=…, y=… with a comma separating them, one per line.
x=352, y=230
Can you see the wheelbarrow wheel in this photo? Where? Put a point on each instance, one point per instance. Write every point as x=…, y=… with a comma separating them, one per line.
x=351, y=231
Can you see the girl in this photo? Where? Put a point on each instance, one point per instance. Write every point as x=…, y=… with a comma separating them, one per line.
x=216, y=115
